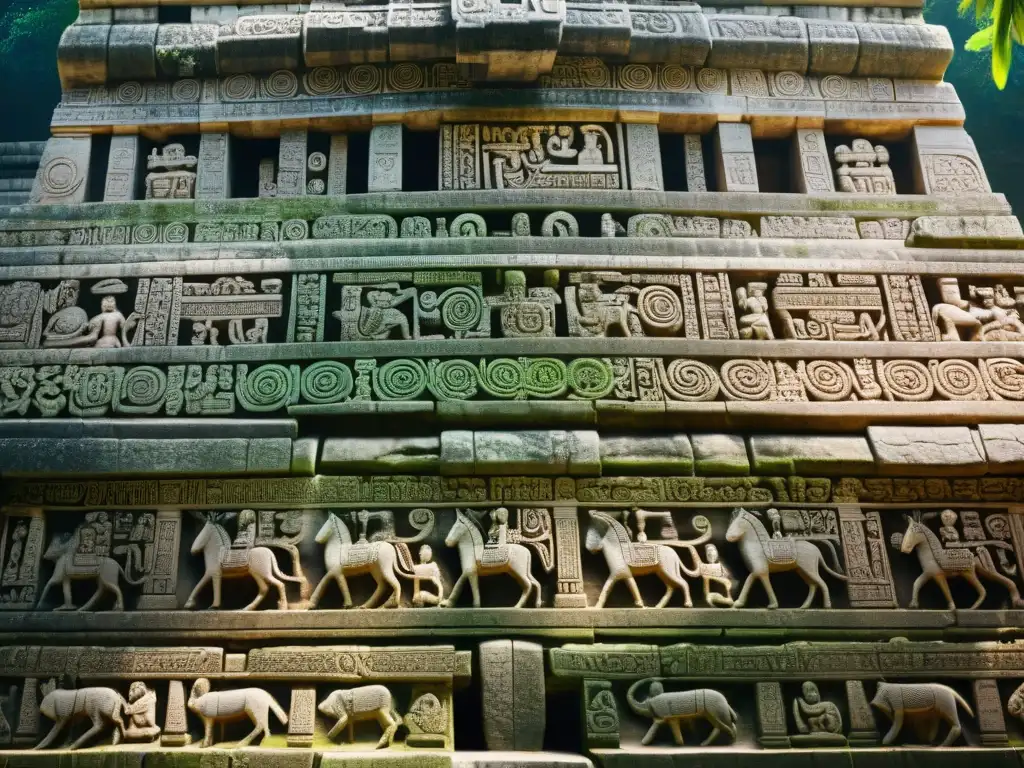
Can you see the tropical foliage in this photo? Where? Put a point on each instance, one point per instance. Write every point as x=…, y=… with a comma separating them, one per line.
x=1002, y=26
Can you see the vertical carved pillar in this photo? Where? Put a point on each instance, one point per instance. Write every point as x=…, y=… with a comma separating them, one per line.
x=569, y=593
x=175, y=733
x=291, y=164
x=600, y=715
x=512, y=686
x=301, y=717
x=308, y=307
x=812, y=171
x=771, y=716
x=643, y=157
x=693, y=153
x=122, y=180
x=385, y=172
x=63, y=175
x=989, y=709
x=734, y=158
x=213, y=180
x=869, y=578
x=337, y=165
x=159, y=593
x=28, y=714
x=717, y=311
x=946, y=162
x=21, y=552
x=863, y=732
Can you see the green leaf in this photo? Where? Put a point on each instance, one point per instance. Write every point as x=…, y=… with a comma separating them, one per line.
x=980, y=40
x=1002, y=44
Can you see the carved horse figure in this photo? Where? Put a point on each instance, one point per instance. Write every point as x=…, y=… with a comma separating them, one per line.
x=224, y=563
x=939, y=564
x=627, y=559
x=381, y=559
x=764, y=555
x=105, y=570
x=513, y=559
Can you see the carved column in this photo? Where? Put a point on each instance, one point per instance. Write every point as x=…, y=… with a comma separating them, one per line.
x=63, y=175
x=812, y=170
x=870, y=583
x=385, y=172
x=600, y=715
x=569, y=592
x=175, y=733
x=301, y=717
x=337, y=165
x=771, y=716
x=989, y=708
x=946, y=162
x=693, y=153
x=863, y=732
x=643, y=157
x=159, y=593
x=21, y=552
x=28, y=714
x=291, y=164
x=512, y=687
x=213, y=181
x=122, y=170
x=734, y=158
x=308, y=307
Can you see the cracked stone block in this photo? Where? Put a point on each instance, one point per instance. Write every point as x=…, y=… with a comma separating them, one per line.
x=1004, y=447
x=926, y=451
x=637, y=455
x=811, y=455
x=512, y=688
x=543, y=452
x=381, y=454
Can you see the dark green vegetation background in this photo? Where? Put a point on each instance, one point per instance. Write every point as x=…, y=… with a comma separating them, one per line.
x=29, y=89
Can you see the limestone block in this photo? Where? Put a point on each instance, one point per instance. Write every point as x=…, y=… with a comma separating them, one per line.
x=672, y=34
x=642, y=454
x=946, y=162
x=269, y=454
x=131, y=52
x=926, y=451
x=811, y=455
x=834, y=47
x=507, y=40
x=291, y=164
x=383, y=455
x=643, y=156
x=810, y=227
x=357, y=35
x=537, y=452
x=420, y=32
x=734, y=158
x=693, y=154
x=122, y=180
x=213, y=181
x=903, y=50
x=719, y=454
x=260, y=43
x=596, y=30
x=304, y=453
x=187, y=50
x=191, y=456
x=147, y=15
x=812, y=169
x=95, y=16
x=513, y=693
x=966, y=232
x=167, y=428
x=82, y=55
x=43, y=456
x=457, y=453
x=1004, y=447
x=63, y=172
x=385, y=171
x=758, y=42
x=337, y=165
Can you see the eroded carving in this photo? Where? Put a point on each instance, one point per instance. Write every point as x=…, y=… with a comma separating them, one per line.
x=676, y=707
x=927, y=703
x=368, y=702
x=214, y=707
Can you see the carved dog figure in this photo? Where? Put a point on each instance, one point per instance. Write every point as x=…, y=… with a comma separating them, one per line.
x=101, y=705
x=367, y=702
x=937, y=701
x=226, y=706
x=675, y=706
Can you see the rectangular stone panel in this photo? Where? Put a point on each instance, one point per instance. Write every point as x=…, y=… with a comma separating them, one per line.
x=121, y=184
x=82, y=55
x=643, y=154
x=385, y=171
x=734, y=157
x=946, y=162
x=214, y=170
x=63, y=172
x=903, y=50
x=758, y=42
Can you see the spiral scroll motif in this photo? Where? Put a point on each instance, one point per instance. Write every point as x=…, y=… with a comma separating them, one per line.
x=675, y=78
x=828, y=380
x=400, y=379
x=747, y=380
x=661, y=310
x=636, y=77
x=958, y=380
x=690, y=381
x=327, y=381
x=452, y=379
x=281, y=84
x=503, y=377
x=323, y=81
x=143, y=389
x=361, y=79
x=176, y=232
x=907, y=380
x=544, y=377
x=405, y=76
x=1004, y=378
x=266, y=389
x=590, y=379
x=239, y=87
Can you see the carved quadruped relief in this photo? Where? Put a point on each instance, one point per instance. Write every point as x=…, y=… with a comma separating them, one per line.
x=368, y=702
x=214, y=707
x=676, y=707
x=929, y=704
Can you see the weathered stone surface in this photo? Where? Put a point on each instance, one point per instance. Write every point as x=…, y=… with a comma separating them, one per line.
x=260, y=43
x=512, y=683
x=131, y=52
x=926, y=450
x=187, y=50
x=636, y=455
x=543, y=452
x=385, y=172
x=82, y=55
x=812, y=168
x=758, y=42
x=719, y=454
x=811, y=455
x=122, y=180
x=734, y=158
x=1004, y=447
x=946, y=162
x=351, y=36
x=304, y=456
x=63, y=175
x=966, y=232
x=351, y=455
x=833, y=46
x=903, y=50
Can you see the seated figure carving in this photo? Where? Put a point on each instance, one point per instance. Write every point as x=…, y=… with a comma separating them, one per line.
x=819, y=722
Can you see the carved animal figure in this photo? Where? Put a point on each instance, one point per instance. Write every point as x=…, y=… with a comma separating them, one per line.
x=676, y=706
x=1015, y=704
x=222, y=563
x=103, y=706
x=921, y=699
x=764, y=555
x=513, y=559
x=227, y=706
x=342, y=558
x=105, y=570
x=368, y=702
x=627, y=559
x=938, y=564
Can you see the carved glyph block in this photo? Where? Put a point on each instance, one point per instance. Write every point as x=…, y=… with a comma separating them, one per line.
x=122, y=170
x=63, y=171
x=946, y=162
x=385, y=172
x=734, y=158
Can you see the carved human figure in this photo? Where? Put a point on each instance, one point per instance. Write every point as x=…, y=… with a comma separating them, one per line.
x=713, y=571
x=813, y=715
x=141, y=713
x=67, y=327
x=989, y=312
x=676, y=706
x=948, y=531
x=591, y=153
x=245, y=537
x=755, y=324
x=225, y=706
x=497, y=534
x=367, y=702
x=426, y=571
x=18, y=536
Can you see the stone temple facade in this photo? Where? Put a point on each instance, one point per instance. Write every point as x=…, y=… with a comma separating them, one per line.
x=368, y=368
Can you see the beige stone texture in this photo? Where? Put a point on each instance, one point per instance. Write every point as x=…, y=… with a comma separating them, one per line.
x=903, y=50
x=512, y=687
x=926, y=451
x=82, y=55
x=828, y=455
x=637, y=454
x=1004, y=447
x=381, y=454
x=543, y=452
x=719, y=454
x=946, y=162
x=63, y=174
x=734, y=158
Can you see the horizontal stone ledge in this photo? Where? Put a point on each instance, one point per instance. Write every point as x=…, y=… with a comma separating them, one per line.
x=484, y=348
x=819, y=757
x=598, y=201
x=154, y=429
